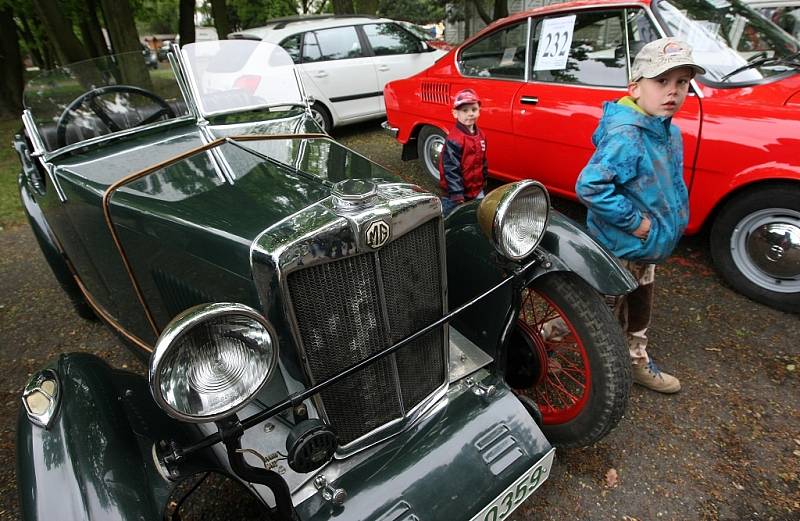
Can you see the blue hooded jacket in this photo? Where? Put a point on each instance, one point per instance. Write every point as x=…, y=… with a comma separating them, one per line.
x=636, y=169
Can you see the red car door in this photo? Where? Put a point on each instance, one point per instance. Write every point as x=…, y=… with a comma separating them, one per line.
x=556, y=113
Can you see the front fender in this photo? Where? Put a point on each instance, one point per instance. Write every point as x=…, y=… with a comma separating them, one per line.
x=94, y=460
x=473, y=266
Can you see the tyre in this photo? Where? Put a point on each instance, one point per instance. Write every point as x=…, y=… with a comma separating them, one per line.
x=569, y=356
x=430, y=143
x=322, y=117
x=755, y=245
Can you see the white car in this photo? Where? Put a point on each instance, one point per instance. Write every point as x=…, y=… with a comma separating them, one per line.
x=346, y=61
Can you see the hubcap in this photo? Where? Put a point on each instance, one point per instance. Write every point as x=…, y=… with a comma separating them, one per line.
x=433, y=149
x=765, y=246
x=319, y=119
x=562, y=381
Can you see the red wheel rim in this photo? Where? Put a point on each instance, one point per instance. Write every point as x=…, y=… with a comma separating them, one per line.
x=564, y=382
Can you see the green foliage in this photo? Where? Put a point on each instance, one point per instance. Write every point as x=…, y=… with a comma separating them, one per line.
x=156, y=16
x=416, y=11
x=245, y=14
x=10, y=207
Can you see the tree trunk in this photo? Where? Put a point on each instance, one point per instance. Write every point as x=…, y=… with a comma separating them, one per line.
x=343, y=7
x=125, y=39
x=219, y=10
x=34, y=45
x=91, y=31
x=59, y=28
x=478, y=4
x=367, y=6
x=11, y=83
x=500, y=9
x=186, y=21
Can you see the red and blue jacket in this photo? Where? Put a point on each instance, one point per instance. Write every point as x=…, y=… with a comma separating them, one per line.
x=462, y=164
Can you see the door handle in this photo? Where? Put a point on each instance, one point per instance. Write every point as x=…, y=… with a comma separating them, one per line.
x=529, y=100
x=383, y=68
x=320, y=74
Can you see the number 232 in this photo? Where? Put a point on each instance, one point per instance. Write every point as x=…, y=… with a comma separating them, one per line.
x=556, y=44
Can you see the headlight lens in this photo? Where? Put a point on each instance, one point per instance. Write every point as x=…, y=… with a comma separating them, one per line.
x=211, y=360
x=514, y=217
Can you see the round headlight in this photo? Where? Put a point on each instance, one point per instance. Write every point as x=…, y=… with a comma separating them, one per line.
x=211, y=360
x=514, y=217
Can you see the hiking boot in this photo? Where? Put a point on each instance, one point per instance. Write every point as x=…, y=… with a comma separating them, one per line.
x=650, y=376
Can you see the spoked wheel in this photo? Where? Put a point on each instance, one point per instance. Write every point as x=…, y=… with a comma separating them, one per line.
x=568, y=355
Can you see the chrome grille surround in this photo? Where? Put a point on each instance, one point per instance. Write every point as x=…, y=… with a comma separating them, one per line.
x=320, y=255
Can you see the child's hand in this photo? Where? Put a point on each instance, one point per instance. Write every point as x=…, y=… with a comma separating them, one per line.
x=644, y=229
x=457, y=199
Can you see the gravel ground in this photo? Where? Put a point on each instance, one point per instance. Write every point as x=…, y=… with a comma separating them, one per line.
x=727, y=447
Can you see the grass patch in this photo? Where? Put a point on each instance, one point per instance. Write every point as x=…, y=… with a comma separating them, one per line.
x=10, y=206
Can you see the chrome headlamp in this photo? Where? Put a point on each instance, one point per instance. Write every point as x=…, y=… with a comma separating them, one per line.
x=514, y=217
x=211, y=360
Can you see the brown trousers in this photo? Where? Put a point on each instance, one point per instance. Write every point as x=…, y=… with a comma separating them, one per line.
x=635, y=309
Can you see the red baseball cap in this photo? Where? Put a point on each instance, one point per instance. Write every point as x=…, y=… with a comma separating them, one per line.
x=463, y=97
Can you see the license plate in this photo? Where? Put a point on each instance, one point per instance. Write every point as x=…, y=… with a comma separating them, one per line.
x=518, y=492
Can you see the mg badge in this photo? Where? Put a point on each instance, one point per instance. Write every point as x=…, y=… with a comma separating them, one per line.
x=377, y=234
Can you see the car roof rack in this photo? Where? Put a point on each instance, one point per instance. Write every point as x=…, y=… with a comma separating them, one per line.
x=280, y=23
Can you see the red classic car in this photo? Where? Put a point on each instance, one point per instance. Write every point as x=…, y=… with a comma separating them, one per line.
x=543, y=75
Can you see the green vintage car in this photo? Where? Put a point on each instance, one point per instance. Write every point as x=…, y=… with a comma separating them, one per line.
x=319, y=338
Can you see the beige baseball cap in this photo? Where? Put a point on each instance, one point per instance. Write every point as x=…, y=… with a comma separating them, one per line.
x=662, y=55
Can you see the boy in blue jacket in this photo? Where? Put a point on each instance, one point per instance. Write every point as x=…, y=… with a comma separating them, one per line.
x=633, y=187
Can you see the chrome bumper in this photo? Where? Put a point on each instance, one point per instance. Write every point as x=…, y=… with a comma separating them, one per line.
x=393, y=131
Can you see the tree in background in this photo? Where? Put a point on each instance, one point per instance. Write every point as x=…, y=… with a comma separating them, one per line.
x=11, y=82
x=366, y=6
x=59, y=28
x=186, y=21
x=244, y=14
x=157, y=16
x=499, y=10
x=219, y=12
x=91, y=32
x=417, y=11
x=125, y=39
x=343, y=7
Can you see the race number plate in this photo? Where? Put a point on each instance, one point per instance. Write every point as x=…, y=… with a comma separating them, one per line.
x=518, y=492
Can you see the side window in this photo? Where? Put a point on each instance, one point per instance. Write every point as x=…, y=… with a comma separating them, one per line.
x=596, y=55
x=388, y=39
x=339, y=43
x=641, y=31
x=292, y=46
x=500, y=54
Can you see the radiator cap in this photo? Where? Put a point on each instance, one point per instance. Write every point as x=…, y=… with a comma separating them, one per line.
x=353, y=193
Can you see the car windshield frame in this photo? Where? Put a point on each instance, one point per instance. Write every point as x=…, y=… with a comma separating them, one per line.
x=710, y=37
x=50, y=95
x=225, y=76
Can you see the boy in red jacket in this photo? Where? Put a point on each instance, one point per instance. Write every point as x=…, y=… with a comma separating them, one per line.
x=462, y=163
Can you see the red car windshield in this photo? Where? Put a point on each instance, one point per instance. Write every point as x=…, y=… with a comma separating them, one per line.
x=730, y=40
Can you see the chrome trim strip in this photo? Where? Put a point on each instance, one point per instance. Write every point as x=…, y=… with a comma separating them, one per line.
x=176, y=62
x=528, y=35
x=52, y=173
x=110, y=137
x=627, y=43
x=33, y=133
x=392, y=131
x=40, y=154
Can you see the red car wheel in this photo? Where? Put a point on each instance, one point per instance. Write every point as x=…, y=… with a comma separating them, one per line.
x=568, y=355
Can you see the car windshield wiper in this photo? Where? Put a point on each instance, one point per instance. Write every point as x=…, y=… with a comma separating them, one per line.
x=790, y=60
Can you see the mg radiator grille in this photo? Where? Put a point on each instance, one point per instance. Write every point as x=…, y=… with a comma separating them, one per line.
x=351, y=308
